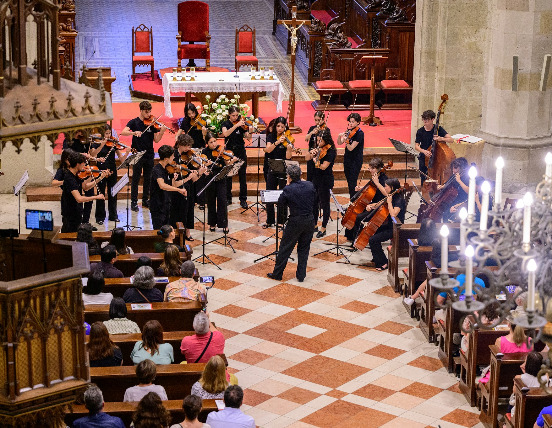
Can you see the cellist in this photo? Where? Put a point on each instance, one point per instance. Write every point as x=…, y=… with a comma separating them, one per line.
x=459, y=167
x=425, y=137
x=378, y=179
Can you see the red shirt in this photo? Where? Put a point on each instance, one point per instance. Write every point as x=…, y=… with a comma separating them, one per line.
x=192, y=346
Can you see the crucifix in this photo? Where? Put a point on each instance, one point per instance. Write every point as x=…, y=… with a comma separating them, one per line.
x=292, y=25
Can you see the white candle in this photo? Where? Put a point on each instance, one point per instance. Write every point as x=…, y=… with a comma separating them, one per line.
x=463, y=214
x=444, y=248
x=469, y=271
x=531, y=268
x=527, y=202
x=498, y=183
x=485, y=188
x=471, y=194
x=548, y=160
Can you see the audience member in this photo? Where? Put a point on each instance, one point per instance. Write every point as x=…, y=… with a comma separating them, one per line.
x=428, y=233
x=186, y=288
x=171, y=262
x=102, y=352
x=143, y=261
x=231, y=416
x=146, y=371
x=93, y=293
x=151, y=413
x=118, y=241
x=108, y=257
x=212, y=383
x=118, y=323
x=207, y=342
x=489, y=316
x=192, y=406
x=84, y=234
x=94, y=403
x=143, y=290
x=530, y=368
x=168, y=234
x=152, y=346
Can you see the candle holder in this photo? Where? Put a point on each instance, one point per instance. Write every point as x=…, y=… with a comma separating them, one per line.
x=253, y=72
x=174, y=74
x=262, y=72
x=187, y=73
x=468, y=305
x=192, y=73
x=530, y=320
x=270, y=73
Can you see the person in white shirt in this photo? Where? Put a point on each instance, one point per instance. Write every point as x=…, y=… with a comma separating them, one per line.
x=146, y=371
x=231, y=416
x=93, y=294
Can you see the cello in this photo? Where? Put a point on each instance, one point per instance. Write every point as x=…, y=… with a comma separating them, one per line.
x=360, y=200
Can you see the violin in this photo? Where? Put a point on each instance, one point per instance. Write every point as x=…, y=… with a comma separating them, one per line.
x=174, y=167
x=193, y=160
x=321, y=153
x=247, y=123
x=113, y=142
x=350, y=133
x=156, y=124
x=289, y=140
x=92, y=171
x=198, y=122
x=227, y=155
x=361, y=199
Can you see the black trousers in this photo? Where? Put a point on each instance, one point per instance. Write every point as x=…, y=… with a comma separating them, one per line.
x=352, y=170
x=423, y=168
x=178, y=208
x=273, y=182
x=108, y=182
x=323, y=196
x=298, y=231
x=351, y=234
x=310, y=170
x=378, y=255
x=87, y=206
x=242, y=172
x=144, y=166
x=216, y=204
x=71, y=224
x=159, y=217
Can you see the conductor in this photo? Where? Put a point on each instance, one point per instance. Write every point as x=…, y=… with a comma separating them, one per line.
x=299, y=196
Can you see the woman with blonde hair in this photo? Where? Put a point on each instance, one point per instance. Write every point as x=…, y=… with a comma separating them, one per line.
x=514, y=341
x=171, y=262
x=212, y=383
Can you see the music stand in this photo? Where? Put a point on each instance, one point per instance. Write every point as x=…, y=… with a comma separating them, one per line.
x=406, y=149
x=116, y=189
x=258, y=141
x=271, y=196
x=131, y=160
x=277, y=166
x=338, y=249
x=372, y=61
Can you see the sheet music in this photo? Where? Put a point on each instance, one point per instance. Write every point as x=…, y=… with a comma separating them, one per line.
x=119, y=185
x=22, y=181
x=270, y=196
x=466, y=138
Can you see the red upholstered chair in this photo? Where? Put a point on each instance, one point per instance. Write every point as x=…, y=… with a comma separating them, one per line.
x=327, y=86
x=361, y=84
x=142, y=42
x=193, y=28
x=245, y=44
x=394, y=85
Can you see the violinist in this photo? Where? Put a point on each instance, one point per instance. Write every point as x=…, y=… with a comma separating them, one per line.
x=461, y=179
x=190, y=126
x=217, y=215
x=234, y=131
x=378, y=179
x=161, y=184
x=312, y=139
x=323, y=179
x=142, y=140
x=71, y=198
x=59, y=176
x=276, y=148
x=354, y=150
x=106, y=161
x=424, y=139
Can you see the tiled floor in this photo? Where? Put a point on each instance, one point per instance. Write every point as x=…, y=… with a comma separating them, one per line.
x=335, y=350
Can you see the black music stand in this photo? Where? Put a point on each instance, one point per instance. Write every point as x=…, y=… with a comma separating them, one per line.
x=407, y=150
x=131, y=160
x=258, y=141
x=271, y=196
x=338, y=248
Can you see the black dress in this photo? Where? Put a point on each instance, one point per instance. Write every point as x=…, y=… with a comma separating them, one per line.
x=217, y=215
x=159, y=199
x=352, y=161
x=108, y=182
x=274, y=180
x=236, y=143
x=323, y=180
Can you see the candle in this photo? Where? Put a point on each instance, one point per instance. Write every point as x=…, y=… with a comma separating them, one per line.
x=531, y=268
x=498, y=183
x=463, y=214
x=444, y=248
x=485, y=188
x=548, y=160
x=471, y=194
x=469, y=271
x=527, y=202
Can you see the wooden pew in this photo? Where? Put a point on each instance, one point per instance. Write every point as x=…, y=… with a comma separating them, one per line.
x=118, y=286
x=504, y=368
x=127, y=262
x=529, y=403
x=173, y=316
x=547, y=421
x=444, y=335
x=177, y=379
x=478, y=354
x=125, y=410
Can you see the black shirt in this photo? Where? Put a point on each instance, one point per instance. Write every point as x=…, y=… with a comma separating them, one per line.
x=159, y=199
x=195, y=133
x=279, y=151
x=235, y=140
x=109, y=154
x=69, y=205
x=219, y=162
x=325, y=174
x=425, y=139
x=132, y=295
x=299, y=196
x=398, y=201
x=76, y=145
x=378, y=196
x=145, y=142
x=355, y=156
x=115, y=360
x=313, y=139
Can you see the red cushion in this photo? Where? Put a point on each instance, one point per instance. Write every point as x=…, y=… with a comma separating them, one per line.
x=247, y=59
x=354, y=44
x=329, y=84
x=389, y=84
x=142, y=58
x=194, y=51
x=142, y=41
x=360, y=84
x=245, y=41
x=193, y=21
x=322, y=15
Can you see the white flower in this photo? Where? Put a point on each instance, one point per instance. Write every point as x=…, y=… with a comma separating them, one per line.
x=237, y=96
x=204, y=115
x=207, y=97
x=214, y=105
x=223, y=96
x=205, y=107
x=257, y=120
x=219, y=117
x=219, y=111
x=208, y=121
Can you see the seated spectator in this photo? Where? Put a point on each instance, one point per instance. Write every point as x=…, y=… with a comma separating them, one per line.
x=143, y=290
x=428, y=233
x=146, y=371
x=108, y=257
x=152, y=346
x=143, y=261
x=118, y=241
x=102, y=352
x=168, y=234
x=435, y=258
x=489, y=316
x=84, y=234
x=207, y=342
x=186, y=288
x=93, y=293
x=212, y=383
x=118, y=323
x=192, y=406
x=530, y=368
x=171, y=262
x=93, y=401
x=151, y=413
x=231, y=416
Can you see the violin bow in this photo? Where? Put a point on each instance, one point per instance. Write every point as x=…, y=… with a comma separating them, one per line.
x=93, y=178
x=154, y=121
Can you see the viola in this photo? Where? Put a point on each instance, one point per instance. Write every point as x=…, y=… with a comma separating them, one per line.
x=92, y=171
x=289, y=140
x=157, y=125
x=361, y=199
x=174, y=167
x=321, y=153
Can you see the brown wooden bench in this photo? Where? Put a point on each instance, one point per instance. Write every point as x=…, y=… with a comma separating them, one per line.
x=444, y=335
x=125, y=410
x=118, y=286
x=529, y=403
x=547, y=421
x=177, y=379
x=173, y=316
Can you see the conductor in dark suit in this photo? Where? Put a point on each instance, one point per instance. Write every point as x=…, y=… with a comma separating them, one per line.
x=300, y=197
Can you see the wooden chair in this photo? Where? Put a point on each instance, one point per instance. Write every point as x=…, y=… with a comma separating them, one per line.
x=327, y=87
x=246, y=44
x=393, y=84
x=529, y=403
x=142, y=42
x=193, y=28
x=127, y=262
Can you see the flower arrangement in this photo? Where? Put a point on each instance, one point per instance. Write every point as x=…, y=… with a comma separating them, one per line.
x=216, y=112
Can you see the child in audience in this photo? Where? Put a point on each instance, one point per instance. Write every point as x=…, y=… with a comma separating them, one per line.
x=192, y=406
x=212, y=383
x=118, y=323
x=102, y=352
x=93, y=293
x=152, y=346
x=146, y=371
x=151, y=413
